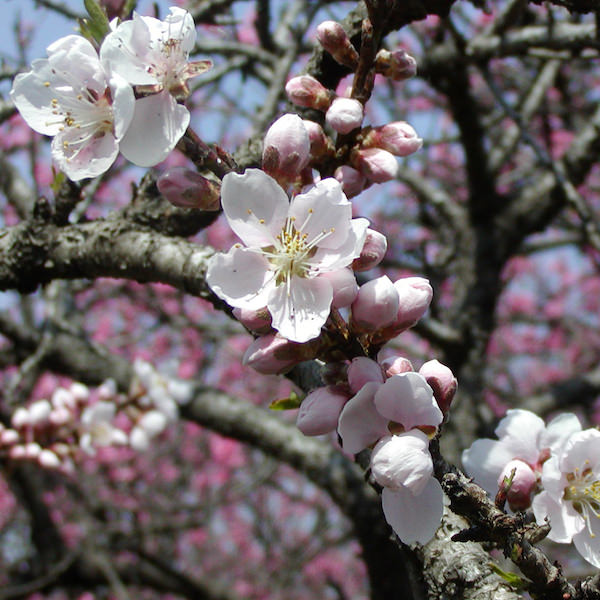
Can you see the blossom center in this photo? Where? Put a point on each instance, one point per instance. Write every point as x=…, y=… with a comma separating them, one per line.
x=583, y=492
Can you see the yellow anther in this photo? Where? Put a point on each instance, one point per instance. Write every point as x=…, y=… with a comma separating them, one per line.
x=47, y=83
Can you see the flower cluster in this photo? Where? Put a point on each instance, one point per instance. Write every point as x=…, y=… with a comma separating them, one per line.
x=87, y=103
x=553, y=469
x=392, y=409
x=52, y=432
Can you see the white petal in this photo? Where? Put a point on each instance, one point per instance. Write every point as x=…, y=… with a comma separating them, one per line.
x=331, y=259
x=485, y=460
x=581, y=449
x=158, y=124
x=240, y=278
x=414, y=518
x=402, y=461
x=123, y=105
x=558, y=431
x=360, y=423
x=180, y=26
x=324, y=208
x=125, y=51
x=300, y=311
x=524, y=430
x=565, y=522
x=588, y=546
x=408, y=399
x=88, y=159
x=249, y=198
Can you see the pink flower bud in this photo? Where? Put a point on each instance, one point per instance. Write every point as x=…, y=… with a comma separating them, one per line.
x=153, y=422
x=344, y=287
x=48, y=459
x=353, y=182
x=32, y=450
x=523, y=484
x=399, y=138
x=361, y=371
x=79, y=391
x=185, y=188
x=415, y=296
x=335, y=40
x=272, y=354
x=442, y=381
x=345, y=115
x=397, y=65
x=373, y=251
x=376, y=305
x=286, y=147
x=306, y=91
x=63, y=397
x=375, y=164
x=59, y=416
x=320, y=144
x=139, y=439
x=396, y=365
x=320, y=410
x=258, y=321
x=17, y=452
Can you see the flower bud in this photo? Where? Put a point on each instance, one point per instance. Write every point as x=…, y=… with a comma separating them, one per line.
x=335, y=40
x=397, y=65
x=320, y=410
x=375, y=164
x=373, y=251
x=32, y=450
x=139, y=439
x=17, y=452
x=48, y=459
x=396, y=365
x=153, y=422
x=272, y=354
x=60, y=416
x=9, y=437
x=344, y=115
x=185, y=188
x=415, y=296
x=258, y=321
x=361, y=371
x=79, y=391
x=39, y=412
x=286, y=149
x=442, y=381
x=65, y=398
x=352, y=181
x=306, y=91
x=399, y=138
x=20, y=418
x=376, y=305
x=524, y=483
x=344, y=287
x=320, y=144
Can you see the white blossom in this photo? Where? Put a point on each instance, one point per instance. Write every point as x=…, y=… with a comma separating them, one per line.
x=70, y=96
x=153, y=55
x=97, y=427
x=287, y=246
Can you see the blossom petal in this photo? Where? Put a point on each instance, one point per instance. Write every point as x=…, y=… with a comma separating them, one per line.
x=407, y=399
x=485, y=460
x=402, y=461
x=588, y=542
x=88, y=158
x=255, y=206
x=324, y=209
x=524, y=429
x=158, y=124
x=240, y=277
x=414, y=518
x=564, y=520
x=360, y=423
x=179, y=25
x=558, y=431
x=123, y=105
x=332, y=259
x=582, y=448
x=301, y=310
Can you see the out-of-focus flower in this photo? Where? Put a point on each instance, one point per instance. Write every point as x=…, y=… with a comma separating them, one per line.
x=288, y=245
x=97, y=427
x=344, y=115
x=571, y=497
x=153, y=55
x=70, y=96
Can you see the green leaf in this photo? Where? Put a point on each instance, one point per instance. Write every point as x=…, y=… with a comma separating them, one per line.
x=97, y=24
x=59, y=179
x=290, y=403
x=129, y=7
x=511, y=578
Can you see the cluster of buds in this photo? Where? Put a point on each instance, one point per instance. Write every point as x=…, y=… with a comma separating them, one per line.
x=387, y=406
x=372, y=150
